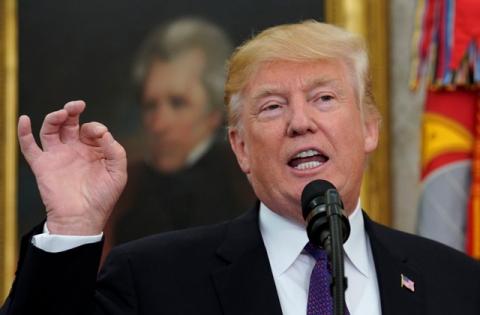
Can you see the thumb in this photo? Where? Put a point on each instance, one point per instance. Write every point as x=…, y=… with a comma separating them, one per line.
x=29, y=147
x=115, y=155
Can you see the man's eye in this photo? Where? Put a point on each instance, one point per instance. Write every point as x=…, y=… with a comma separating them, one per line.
x=326, y=98
x=325, y=102
x=178, y=101
x=271, y=107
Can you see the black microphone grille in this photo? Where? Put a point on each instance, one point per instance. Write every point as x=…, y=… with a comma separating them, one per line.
x=314, y=189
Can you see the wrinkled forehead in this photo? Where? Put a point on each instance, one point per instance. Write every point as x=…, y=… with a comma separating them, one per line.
x=281, y=77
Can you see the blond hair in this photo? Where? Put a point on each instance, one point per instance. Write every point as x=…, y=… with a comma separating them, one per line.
x=308, y=41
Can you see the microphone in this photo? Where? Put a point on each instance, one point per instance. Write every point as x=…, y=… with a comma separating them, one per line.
x=320, y=201
x=327, y=227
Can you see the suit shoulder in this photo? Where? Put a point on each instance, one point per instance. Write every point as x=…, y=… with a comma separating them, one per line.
x=419, y=247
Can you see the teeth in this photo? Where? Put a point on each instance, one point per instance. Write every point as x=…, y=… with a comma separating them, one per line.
x=306, y=153
x=307, y=165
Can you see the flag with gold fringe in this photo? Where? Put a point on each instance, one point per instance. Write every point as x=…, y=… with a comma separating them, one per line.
x=446, y=54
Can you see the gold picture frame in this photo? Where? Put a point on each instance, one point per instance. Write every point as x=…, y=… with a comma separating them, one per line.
x=8, y=146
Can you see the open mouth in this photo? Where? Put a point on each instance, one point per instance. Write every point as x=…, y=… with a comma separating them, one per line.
x=307, y=159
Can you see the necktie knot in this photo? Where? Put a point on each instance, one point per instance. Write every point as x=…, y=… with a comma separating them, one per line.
x=316, y=252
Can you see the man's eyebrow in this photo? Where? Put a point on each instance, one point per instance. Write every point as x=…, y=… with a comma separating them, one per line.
x=321, y=81
x=267, y=91
x=308, y=86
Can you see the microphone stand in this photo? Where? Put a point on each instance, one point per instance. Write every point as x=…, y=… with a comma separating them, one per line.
x=334, y=248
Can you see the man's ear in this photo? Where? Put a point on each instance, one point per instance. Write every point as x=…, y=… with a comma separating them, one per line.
x=371, y=134
x=240, y=149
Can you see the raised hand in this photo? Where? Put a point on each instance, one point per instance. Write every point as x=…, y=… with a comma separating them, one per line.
x=80, y=170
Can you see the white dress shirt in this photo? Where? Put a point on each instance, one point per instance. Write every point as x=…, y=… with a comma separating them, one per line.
x=292, y=267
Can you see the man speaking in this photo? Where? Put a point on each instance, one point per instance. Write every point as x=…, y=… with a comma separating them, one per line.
x=300, y=109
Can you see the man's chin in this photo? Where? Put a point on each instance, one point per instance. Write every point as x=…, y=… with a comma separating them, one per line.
x=168, y=165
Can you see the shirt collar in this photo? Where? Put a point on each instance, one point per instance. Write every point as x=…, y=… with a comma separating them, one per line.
x=195, y=155
x=285, y=239
x=199, y=150
x=356, y=245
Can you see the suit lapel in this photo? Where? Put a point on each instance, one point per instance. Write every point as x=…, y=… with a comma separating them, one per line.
x=390, y=265
x=245, y=284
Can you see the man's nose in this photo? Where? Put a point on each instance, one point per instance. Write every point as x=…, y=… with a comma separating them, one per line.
x=301, y=119
x=160, y=119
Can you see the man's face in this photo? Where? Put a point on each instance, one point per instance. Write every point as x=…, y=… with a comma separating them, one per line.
x=174, y=110
x=301, y=122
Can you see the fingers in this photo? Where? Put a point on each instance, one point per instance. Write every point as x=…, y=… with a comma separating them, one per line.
x=28, y=146
x=70, y=128
x=62, y=125
x=113, y=151
x=96, y=134
x=115, y=160
x=50, y=131
x=90, y=133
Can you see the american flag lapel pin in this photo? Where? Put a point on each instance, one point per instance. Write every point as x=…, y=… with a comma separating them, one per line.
x=407, y=283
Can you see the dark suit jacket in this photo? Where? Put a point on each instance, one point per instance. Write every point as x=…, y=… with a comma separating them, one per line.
x=224, y=269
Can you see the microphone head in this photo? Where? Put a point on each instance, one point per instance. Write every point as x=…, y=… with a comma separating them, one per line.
x=312, y=190
x=321, y=207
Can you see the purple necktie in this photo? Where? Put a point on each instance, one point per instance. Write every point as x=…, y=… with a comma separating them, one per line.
x=319, y=294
